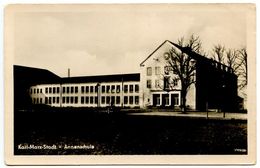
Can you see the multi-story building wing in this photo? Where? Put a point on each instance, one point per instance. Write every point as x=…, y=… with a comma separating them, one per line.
x=90, y=91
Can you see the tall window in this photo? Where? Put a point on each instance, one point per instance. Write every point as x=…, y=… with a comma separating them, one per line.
x=117, y=88
x=71, y=99
x=131, y=88
x=82, y=90
x=108, y=88
x=103, y=99
x=96, y=89
x=91, y=89
x=131, y=99
x=175, y=82
x=125, y=88
x=112, y=100
x=87, y=89
x=58, y=90
x=108, y=100
x=54, y=90
x=37, y=90
x=157, y=70
x=63, y=99
x=96, y=99
x=46, y=90
x=50, y=90
x=149, y=71
x=76, y=100
x=63, y=89
x=113, y=87
x=58, y=100
x=136, y=88
x=72, y=89
x=125, y=100
x=117, y=99
x=136, y=100
x=82, y=99
x=91, y=100
x=53, y=100
x=68, y=89
x=148, y=83
x=46, y=100
x=103, y=89
x=87, y=100
x=76, y=89
x=67, y=100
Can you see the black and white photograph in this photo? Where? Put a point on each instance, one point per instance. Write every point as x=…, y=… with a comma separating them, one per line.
x=130, y=84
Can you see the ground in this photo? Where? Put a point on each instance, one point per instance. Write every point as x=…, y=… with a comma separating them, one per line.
x=86, y=132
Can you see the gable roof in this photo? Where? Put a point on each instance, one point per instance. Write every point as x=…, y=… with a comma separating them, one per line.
x=141, y=64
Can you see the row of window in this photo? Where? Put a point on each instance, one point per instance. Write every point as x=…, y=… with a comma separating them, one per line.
x=167, y=70
x=166, y=83
x=109, y=100
x=89, y=89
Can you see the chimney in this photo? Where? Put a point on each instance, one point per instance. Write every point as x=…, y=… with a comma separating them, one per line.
x=68, y=73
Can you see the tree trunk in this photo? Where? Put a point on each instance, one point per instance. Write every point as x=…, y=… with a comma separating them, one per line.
x=183, y=100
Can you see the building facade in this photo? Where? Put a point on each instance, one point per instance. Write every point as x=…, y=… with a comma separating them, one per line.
x=215, y=86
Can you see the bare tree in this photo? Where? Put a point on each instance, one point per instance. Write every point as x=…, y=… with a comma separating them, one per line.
x=232, y=60
x=243, y=69
x=183, y=66
x=218, y=53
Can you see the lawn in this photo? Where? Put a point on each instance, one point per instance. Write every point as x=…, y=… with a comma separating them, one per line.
x=90, y=133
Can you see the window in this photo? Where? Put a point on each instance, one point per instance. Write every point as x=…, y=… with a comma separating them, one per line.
x=117, y=99
x=125, y=100
x=91, y=100
x=175, y=99
x=63, y=89
x=87, y=89
x=125, y=88
x=58, y=90
x=34, y=90
x=58, y=100
x=68, y=89
x=131, y=88
x=46, y=90
x=76, y=100
x=91, y=89
x=63, y=99
x=108, y=100
x=82, y=89
x=167, y=100
x=96, y=99
x=112, y=100
x=54, y=90
x=53, y=100
x=67, y=100
x=136, y=100
x=108, y=89
x=40, y=100
x=37, y=90
x=157, y=70
x=72, y=89
x=103, y=89
x=149, y=71
x=113, y=87
x=157, y=101
x=37, y=100
x=148, y=83
x=46, y=100
x=175, y=82
x=136, y=88
x=117, y=88
x=76, y=89
x=103, y=99
x=131, y=99
x=50, y=100
x=50, y=90
x=157, y=83
x=71, y=100
x=82, y=99
x=87, y=100
x=96, y=89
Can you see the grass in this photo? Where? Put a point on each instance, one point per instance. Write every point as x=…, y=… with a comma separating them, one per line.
x=119, y=134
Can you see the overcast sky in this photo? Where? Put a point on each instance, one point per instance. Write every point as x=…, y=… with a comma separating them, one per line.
x=112, y=40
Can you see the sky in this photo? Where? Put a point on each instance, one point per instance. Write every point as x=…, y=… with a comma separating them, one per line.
x=99, y=40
